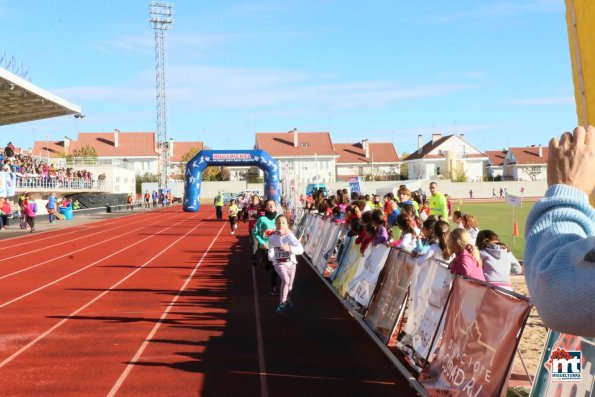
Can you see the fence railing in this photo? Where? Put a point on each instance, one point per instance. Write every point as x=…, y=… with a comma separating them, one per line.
x=38, y=182
x=456, y=334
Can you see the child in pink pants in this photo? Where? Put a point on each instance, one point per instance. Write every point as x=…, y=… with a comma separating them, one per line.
x=283, y=247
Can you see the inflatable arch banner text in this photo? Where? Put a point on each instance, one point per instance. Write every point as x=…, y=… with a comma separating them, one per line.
x=229, y=158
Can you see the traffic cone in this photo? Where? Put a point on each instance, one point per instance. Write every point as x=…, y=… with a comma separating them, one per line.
x=515, y=229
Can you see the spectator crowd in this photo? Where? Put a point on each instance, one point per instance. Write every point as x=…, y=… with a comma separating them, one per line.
x=32, y=172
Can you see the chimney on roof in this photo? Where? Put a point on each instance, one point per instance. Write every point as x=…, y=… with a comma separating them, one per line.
x=540, y=151
x=295, y=137
x=435, y=137
x=462, y=137
x=366, y=147
x=116, y=137
x=171, y=147
x=420, y=143
x=66, y=145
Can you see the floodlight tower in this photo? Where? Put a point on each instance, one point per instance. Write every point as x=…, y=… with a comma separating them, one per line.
x=161, y=19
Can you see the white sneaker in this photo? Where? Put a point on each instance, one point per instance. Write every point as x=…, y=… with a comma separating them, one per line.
x=235, y=226
x=233, y=232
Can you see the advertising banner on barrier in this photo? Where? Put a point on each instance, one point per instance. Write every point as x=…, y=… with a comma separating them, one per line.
x=8, y=184
x=314, y=236
x=328, y=246
x=476, y=350
x=567, y=367
x=384, y=309
x=351, y=267
x=355, y=185
x=328, y=232
x=324, y=230
x=362, y=287
x=343, y=254
x=430, y=285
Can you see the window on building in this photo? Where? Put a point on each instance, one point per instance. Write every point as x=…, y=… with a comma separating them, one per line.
x=437, y=170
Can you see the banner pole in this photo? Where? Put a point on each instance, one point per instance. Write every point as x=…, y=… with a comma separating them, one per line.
x=525, y=368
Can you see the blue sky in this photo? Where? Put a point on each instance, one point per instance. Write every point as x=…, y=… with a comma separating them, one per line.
x=497, y=71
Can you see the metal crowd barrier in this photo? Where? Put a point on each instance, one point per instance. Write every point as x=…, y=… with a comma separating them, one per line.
x=430, y=323
x=37, y=182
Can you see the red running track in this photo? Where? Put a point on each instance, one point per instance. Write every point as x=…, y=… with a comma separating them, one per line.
x=166, y=303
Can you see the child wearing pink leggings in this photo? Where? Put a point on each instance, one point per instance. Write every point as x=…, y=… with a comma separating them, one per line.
x=283, y=247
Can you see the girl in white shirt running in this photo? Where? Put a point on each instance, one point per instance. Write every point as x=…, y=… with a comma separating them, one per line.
x=283, y=247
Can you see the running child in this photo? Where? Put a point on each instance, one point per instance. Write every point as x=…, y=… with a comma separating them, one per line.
x=283, y=247
x=232, y=212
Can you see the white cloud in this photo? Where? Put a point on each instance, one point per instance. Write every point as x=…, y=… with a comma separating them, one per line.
x=543, y=101
x=212, y=88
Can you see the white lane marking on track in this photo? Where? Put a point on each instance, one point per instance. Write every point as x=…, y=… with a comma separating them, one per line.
x=44, y=248
x=71, y=252
x=262, y=368
x=86, y=305
x=62, y=232
x=82, y=268
x=142, y=348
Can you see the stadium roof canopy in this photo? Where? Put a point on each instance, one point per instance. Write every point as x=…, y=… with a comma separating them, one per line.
x=21, y=101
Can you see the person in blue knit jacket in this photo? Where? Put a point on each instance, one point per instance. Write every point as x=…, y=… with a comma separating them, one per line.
x=560, y=237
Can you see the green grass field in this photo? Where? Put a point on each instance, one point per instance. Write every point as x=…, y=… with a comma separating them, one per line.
x=498, y=217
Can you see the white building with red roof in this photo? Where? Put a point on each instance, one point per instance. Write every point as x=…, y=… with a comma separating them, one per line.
x=446, y=158
x=306, y=157
x=365, y=159
x=526, y=164
x=136, y=148
x=494, y=167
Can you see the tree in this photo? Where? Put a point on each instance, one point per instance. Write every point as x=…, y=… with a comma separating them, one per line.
x=186, y=157
x=225, y=174
x=147, y=177
x=86, y=151
x=404, y=168
x=458, y=175
x=253, y=175
x=211, y=174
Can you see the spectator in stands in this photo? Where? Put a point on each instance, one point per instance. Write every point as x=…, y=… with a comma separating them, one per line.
x=470, y=224
x=383, y=234
x=439, y=249
x=438, y=205
x=376, y=202
x=457, y=219
x=560, y=233
x=467, y=261
x=9, y=151
x=424, y=211
x=498, y=262
x=426, y=237
x=407, y=238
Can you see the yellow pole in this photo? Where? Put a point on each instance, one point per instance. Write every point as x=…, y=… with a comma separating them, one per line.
x=580, y=21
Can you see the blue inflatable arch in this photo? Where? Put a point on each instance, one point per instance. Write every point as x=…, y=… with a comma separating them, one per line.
x=236, y=158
